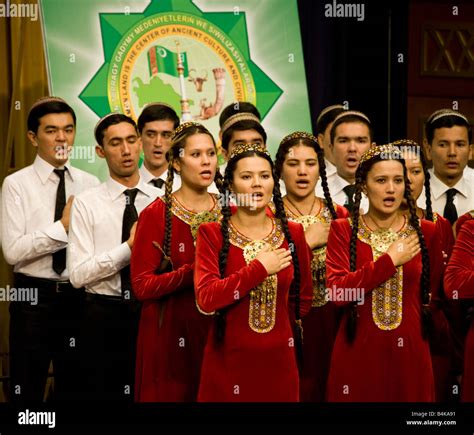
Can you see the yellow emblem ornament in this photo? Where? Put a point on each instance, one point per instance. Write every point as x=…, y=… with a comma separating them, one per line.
x=203, y=217
x=262, y=309
x=318, y=261
x=387, y=298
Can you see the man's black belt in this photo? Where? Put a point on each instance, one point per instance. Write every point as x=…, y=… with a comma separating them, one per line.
x=43, y=283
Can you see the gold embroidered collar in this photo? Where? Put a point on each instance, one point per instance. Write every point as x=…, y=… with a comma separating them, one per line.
x=195, y=219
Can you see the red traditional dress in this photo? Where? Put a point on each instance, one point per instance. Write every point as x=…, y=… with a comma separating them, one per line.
x=459, y=283
x=256, y=361
x=172, y=332
x=321, y=324
x=446, y=343
x=388, y=360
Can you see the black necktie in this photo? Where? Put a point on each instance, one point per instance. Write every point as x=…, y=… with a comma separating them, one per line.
x=158, y=182
x=349, y=190
x=450, y=212
x=59, y=257
x=130, y=216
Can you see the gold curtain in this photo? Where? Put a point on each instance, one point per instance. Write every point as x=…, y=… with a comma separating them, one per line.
x=23, y=80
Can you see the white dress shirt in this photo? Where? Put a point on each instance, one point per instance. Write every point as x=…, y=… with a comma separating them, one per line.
x=336, y=185
x=96, y=252
x=29, y=233
x=148, y=178
x=330, y=168
x=463, y=200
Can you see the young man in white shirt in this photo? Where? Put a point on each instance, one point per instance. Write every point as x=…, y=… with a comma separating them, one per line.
x=36, y=204
x=323, y=126
x=239, y=134
x=448, y=144
x=102, y=231
x=351, y=136
x=156, y=125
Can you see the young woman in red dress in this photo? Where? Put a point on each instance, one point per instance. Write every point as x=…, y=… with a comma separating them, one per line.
x=446, y=343
x=300, y=162
x=383, y=266
x=172, y=331
x=459, y=284
x=253, y=272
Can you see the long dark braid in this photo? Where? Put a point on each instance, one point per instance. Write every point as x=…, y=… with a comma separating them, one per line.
x=324, y=184
x=168, y=216
x=426, y=318
x=428, y=205
x=219, y=180
x=351, y=325
x=280, y=214
x=220, y=317
x=165, y=265
x=407, y=144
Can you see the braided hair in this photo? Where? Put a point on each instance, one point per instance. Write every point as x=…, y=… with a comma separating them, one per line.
x=361, y=177
x=279, y=214
x=283, y=150
x=178, y=142
x=407, y=145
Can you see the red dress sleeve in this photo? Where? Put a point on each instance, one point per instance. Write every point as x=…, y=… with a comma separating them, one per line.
x=446, y=235
x=462, y=219
x=212, y=291
x=366, y=277
x=146, y=258
x=342, y=212
x=459, y=276
x=304, y=254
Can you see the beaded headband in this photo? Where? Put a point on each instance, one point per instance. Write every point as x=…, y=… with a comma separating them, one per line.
x=410, y=145
x=328, y=109
x=243, y=148
x=387, y=152
x=184, y=126
x=298, y=135
x=44, y=100
x=405, y=142
x=443, y=113
x=158, y=104
x=353, y=113
x=244, y=116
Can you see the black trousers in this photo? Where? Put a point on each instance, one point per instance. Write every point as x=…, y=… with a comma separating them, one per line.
x=108, y=348
x=44, y=332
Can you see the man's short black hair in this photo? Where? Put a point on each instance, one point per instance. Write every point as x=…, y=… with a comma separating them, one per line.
x=107, y=121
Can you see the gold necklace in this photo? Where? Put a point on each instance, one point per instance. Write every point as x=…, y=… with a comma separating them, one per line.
x=243, y=235
x=379, y=228
x=297, y=209
x=192, y=210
